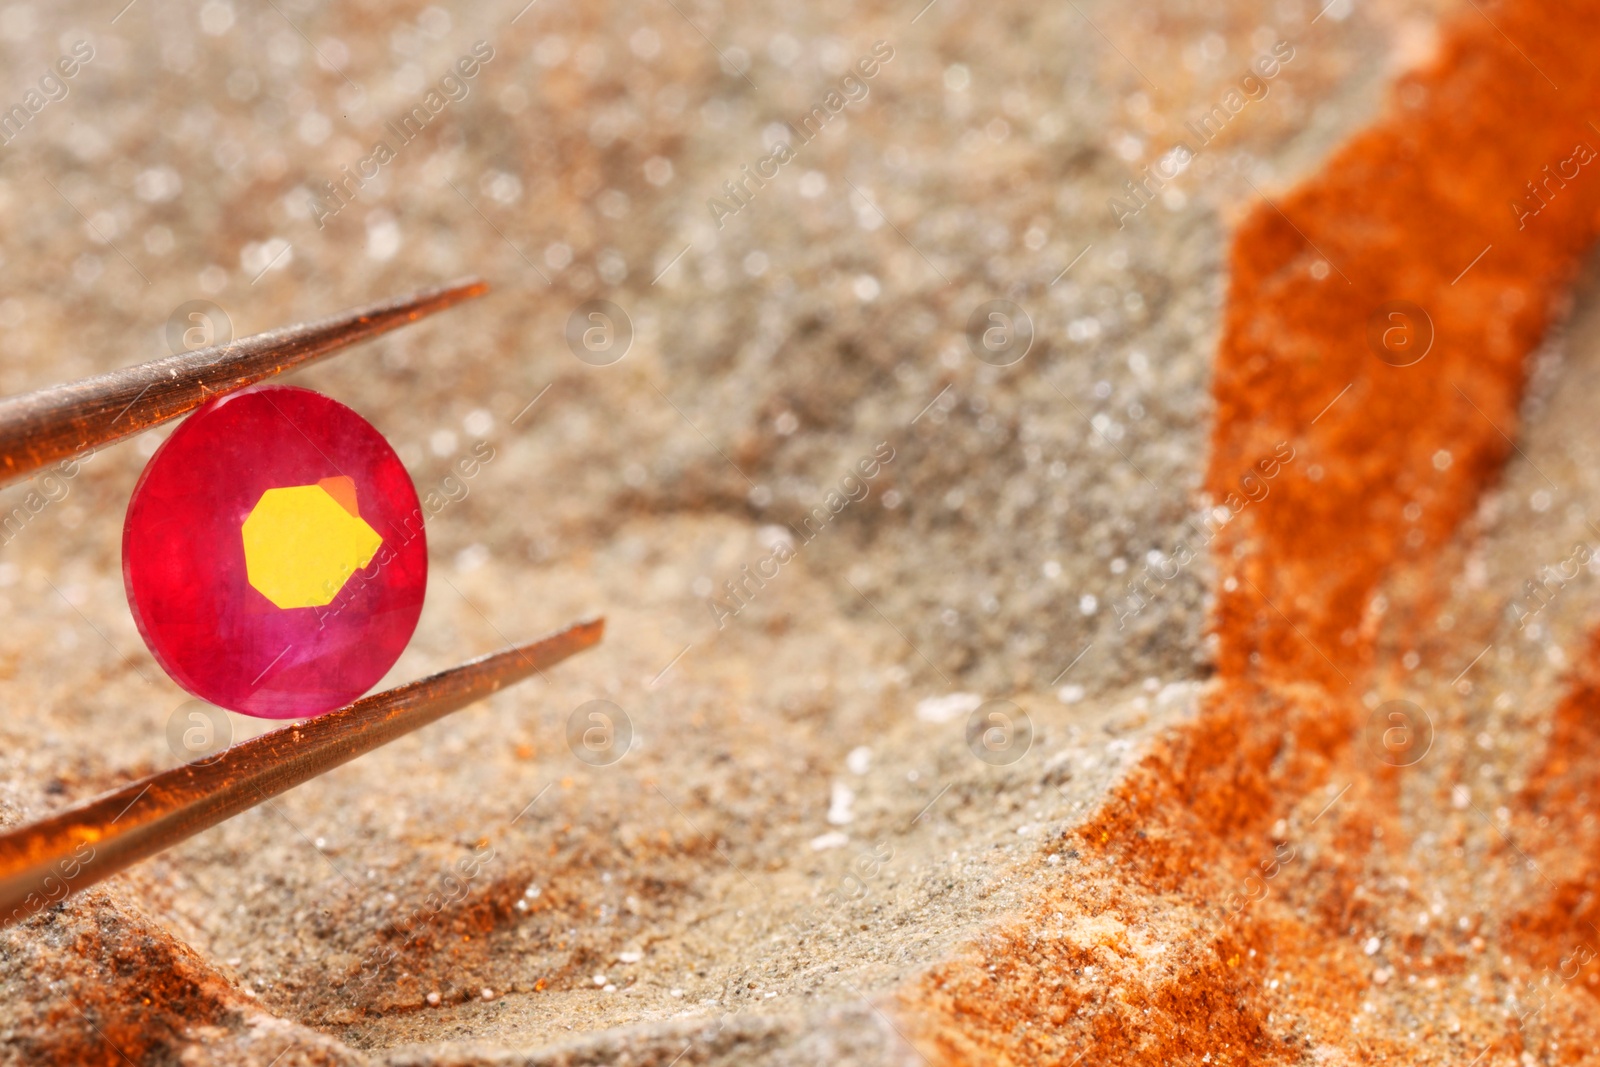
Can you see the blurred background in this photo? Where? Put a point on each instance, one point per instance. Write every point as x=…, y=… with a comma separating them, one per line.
x=677, y=365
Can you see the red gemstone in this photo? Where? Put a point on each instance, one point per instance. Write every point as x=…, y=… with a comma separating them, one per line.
x=274, y=554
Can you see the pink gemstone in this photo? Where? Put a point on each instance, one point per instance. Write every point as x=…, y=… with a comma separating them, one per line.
x=274, y=554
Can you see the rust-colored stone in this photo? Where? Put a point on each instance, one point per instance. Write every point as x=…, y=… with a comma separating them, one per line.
x=1398, y=214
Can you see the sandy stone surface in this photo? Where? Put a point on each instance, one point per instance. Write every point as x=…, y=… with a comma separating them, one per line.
x=803, y=824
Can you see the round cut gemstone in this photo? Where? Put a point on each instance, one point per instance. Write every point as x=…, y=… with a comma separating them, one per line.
x=274, y=554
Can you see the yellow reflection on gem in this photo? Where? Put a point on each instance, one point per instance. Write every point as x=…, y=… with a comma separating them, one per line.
x=301, y=545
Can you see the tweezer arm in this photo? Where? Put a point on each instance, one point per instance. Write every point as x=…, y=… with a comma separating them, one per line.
x=52, y=424
x=46, y=861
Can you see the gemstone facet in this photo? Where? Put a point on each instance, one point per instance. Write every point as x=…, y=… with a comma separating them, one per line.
x=274, y=554
x=301, y=545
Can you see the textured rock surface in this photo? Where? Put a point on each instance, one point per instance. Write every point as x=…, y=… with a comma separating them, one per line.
x=800, y=860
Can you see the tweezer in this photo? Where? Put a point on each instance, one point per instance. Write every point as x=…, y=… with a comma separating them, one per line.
x=43, y=863
x=40, y=428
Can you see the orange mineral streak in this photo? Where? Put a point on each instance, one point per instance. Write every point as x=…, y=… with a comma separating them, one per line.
x=1140, y=952
x=1400, y=212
